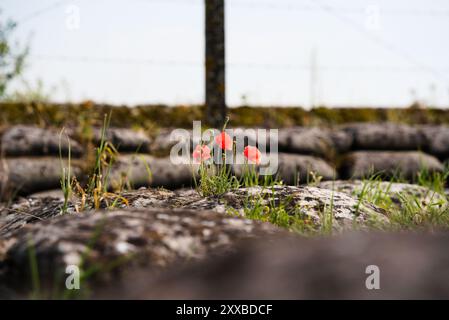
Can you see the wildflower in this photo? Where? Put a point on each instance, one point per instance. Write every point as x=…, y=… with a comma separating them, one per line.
x=224, y=141
x=201, y=153
x=252, y=154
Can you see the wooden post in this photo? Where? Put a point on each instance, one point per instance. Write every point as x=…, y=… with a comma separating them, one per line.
x=215, y=63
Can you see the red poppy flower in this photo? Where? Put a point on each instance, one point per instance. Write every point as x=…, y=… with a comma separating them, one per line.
x=224, y=141
x=201, y=153
x=252, y=154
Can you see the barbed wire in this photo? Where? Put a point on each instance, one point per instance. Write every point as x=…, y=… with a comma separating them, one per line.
x=41, y=11
x=176, y=63
x=252, y=4
x=271, y=5
x=314, y=6
x=115, y=60
x=288, y=6
x=381, y=42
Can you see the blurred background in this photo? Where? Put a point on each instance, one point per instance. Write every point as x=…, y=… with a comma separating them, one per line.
x=282, y=53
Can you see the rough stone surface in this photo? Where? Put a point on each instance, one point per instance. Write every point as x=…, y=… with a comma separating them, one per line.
x=161, y=198
x=406, y=164
x=397, y=192
x=32, y=174
x=385, y=136
x=157, y=229
x=28, y=210
x=110, y=240
x=310, y=202
x=412, y=266
x=23, y=140
x=38, y=208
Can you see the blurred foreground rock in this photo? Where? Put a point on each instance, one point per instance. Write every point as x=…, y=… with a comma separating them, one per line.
x=129, y=248
x=411, y=266
x=109, y=241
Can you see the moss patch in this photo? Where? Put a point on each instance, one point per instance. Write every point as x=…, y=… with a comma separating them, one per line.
x=181, y=116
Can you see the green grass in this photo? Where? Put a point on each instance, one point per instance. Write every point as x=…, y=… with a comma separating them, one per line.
x=96, y=192
x=433, y=180
x=267, y=207
x=66, y=178
x=410, y=213
x=405, y=211
x=215, y=184
x=217, y=179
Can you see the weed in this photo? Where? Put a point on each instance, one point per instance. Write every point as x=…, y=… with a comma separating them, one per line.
x=434, y=180
x=97, y=190
x=66, y=179
x=215, y=179
x=218, y=178
x=265, y=207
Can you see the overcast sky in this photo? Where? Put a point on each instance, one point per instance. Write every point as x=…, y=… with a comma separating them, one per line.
x=279, y=52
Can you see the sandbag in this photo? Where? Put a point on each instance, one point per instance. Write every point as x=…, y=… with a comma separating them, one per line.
x=33, y=141
x=139, y=170
x=404, y=164
x=296, y=169
x=27, y=175
x=385, y=136
x=316, y=141
x=124, y=140
x=437, y=140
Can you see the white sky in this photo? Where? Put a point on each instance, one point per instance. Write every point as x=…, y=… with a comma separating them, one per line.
x=151, y=51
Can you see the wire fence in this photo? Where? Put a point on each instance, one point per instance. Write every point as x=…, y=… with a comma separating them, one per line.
x=340, y=13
